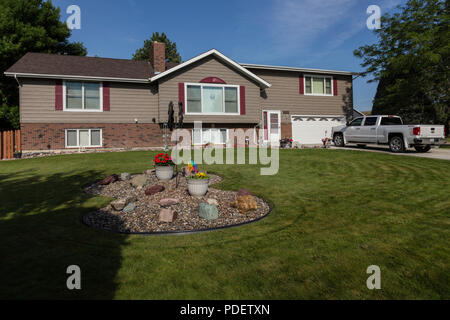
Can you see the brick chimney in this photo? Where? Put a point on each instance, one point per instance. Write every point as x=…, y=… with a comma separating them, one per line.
x=158, y=56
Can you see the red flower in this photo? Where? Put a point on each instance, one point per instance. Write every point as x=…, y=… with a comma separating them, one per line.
x=157, y=160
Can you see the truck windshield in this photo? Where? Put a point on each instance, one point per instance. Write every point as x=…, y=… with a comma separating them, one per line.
x=390, y=121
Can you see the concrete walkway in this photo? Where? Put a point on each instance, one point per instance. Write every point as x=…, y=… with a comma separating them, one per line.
x=434, y=153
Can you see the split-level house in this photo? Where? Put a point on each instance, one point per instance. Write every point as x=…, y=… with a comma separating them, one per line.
x=71, y=102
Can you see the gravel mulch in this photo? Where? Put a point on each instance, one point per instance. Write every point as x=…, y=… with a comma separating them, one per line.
x=144, y=218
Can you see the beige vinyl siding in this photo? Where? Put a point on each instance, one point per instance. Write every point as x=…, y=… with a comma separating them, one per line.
x=128, y=102
x=142, y=101
x=210, y=67
x=284, y=94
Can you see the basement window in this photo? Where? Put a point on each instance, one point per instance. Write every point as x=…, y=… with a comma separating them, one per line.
x=88, y=138
x=213, y=136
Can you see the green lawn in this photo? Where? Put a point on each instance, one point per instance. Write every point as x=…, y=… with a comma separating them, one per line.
x=335, y=213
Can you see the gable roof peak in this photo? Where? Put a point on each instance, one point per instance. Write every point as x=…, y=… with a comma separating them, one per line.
x=221, y=57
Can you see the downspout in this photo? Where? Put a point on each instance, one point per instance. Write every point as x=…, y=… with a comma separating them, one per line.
x=255, y=135
x=17, y=80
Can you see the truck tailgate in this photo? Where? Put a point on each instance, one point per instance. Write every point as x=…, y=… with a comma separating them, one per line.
x=431, y=131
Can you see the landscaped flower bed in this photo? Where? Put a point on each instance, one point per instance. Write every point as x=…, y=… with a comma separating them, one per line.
x=143, y=214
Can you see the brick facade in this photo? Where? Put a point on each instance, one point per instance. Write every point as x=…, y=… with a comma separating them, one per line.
x=286, y=125
x=158, y=56
x=51, y=136
x=286, y=130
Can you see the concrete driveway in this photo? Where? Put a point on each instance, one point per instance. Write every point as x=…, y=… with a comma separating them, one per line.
x=434, y=153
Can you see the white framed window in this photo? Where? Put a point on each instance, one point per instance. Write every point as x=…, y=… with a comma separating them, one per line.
x=82, y=96
x=212, y=135
x=318, y=85
x=211, y=99
x=89, y=138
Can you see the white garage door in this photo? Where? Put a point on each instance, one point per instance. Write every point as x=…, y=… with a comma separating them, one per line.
x=312, y=129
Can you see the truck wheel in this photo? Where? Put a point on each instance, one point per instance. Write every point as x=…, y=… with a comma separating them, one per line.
x=396, y=144
x=422, y=148
x=339, y=140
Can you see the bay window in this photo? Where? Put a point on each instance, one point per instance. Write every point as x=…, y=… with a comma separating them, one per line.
x=318, y=85
x=82, y=96
x=212, y=99
x=76, y=138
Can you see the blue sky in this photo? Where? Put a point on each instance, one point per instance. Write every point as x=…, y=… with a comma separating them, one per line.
x=298, y=33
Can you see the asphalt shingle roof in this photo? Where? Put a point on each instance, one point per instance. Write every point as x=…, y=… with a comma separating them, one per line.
x=65, y=65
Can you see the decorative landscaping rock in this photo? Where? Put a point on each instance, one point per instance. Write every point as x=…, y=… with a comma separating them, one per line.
x=245, y=203
x=154, y=190
x=118, y=205
x=149, y=171
x=168, y=202
x=208, y=211
x=212, y=201
x=167, y=215
x=139, y=181
x=125, y=176
x=109, y=179
x=244, y=192
x=144, y=218
x=129, y=207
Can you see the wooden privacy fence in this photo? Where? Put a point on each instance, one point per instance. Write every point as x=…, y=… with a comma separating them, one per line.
x=10, y=143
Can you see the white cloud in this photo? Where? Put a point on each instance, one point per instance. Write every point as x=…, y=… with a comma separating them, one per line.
x=294, y=27
x=304, y=20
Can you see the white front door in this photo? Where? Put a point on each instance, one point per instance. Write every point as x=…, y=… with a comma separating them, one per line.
x=272, y=126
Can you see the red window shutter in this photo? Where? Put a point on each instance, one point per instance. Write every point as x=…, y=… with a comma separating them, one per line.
x=106, y=97
x=242, y=99
x=266, y=135
x=301, y=84
x=181, y=95
x=335, y=91
x=58, y=95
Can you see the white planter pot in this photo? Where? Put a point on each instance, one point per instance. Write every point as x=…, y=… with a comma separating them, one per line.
x=164, y=172
x=197, y=187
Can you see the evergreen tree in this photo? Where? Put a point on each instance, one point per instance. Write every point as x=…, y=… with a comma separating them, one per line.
x=172, y=54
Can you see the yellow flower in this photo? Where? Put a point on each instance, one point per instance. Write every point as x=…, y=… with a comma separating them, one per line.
x=201, y=174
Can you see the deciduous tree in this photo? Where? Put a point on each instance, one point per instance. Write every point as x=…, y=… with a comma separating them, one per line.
x=411, y=62
x=28, y=26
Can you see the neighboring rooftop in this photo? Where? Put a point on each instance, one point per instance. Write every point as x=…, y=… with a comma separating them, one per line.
x=283, y=68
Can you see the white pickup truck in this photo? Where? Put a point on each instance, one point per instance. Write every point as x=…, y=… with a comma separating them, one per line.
x=391, y=131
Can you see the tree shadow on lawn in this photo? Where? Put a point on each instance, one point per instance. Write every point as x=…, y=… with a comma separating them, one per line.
x=42, y=234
